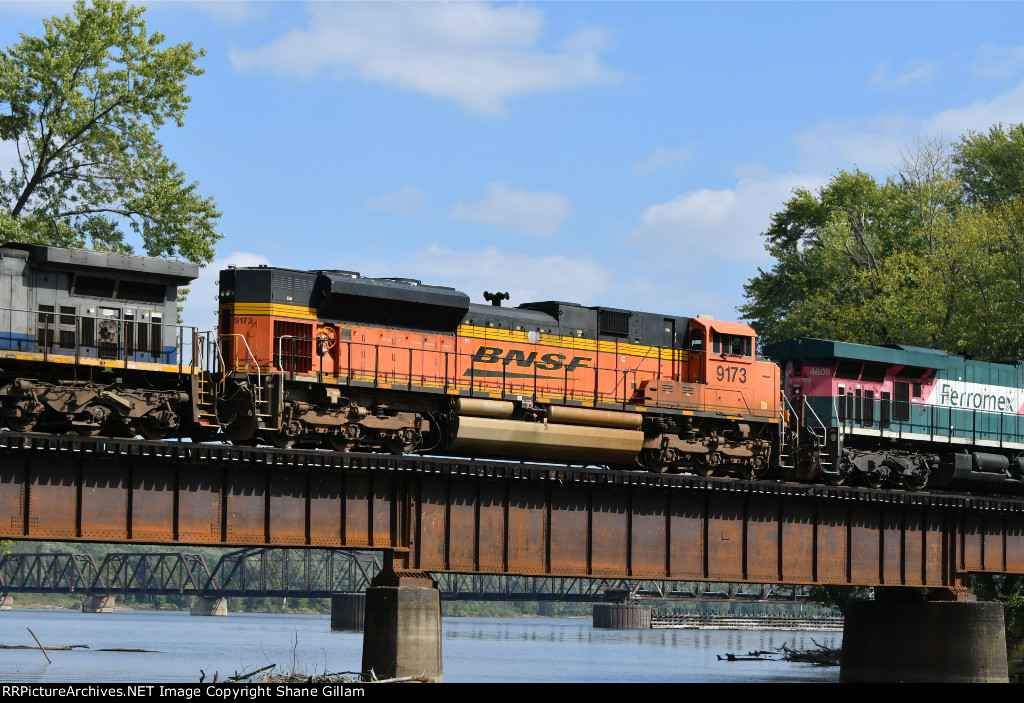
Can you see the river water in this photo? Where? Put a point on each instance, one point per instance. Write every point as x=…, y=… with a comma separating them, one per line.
x=488, y=650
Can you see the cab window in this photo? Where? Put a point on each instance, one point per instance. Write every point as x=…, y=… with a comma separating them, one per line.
x=731, y=344
x=697, y=341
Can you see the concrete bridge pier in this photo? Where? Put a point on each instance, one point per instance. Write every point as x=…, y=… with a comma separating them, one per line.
x=209, y=605
x=6, y=601
x=900, y=637
x=402, y=625
x=619, y=613
x=98, y=604
x=347, y=611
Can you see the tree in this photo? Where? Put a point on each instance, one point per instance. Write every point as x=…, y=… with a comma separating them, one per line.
x=933, y=257
x=840, y=245
x=83, y=104
x=991, y=166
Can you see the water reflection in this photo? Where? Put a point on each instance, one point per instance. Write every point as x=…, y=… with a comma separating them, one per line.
x=474, y=649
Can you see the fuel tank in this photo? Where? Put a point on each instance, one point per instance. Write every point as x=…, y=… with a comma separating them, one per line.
x=484, y=436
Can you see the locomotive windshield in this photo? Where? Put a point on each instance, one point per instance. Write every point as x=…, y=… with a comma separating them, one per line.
x=732, y=344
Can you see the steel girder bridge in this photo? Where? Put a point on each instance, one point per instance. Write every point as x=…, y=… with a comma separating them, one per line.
x=320, y=573
x=465, y=516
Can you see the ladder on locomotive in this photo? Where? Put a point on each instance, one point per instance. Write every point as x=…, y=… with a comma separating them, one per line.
x=206, y=365
x=257, y=386
x=805, y=436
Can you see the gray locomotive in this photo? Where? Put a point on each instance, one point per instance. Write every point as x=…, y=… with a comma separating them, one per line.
x=89, y=342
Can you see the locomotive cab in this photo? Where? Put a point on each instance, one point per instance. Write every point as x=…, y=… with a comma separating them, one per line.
x=714, y=343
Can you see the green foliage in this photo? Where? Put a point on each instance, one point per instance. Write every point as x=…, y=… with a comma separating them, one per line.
x=838, y=597
x=849, y=242
x=83, y=104
x=991, y=166
x=932, y=257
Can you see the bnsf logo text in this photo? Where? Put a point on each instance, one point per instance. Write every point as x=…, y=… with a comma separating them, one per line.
x=547, y=362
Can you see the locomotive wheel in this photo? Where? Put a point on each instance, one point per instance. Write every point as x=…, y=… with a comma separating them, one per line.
x=752, y=469
x=875, y=479
x=338, y=442
x=654, y=460
x=20, y=424
x=92, y=421
x=282, y=440
x=833, y=479
x=915, y=482
x=87, y=431
x=118, y=426
x=707, y=465
x=702, y=469
x=203, y=433
x=151, y=430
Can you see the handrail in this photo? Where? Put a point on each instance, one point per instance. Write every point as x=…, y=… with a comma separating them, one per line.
x=247, y=349
x=280, y=352
x=53, y=324
x=811, y=408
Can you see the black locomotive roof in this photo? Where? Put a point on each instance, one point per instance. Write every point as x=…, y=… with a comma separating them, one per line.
x=67, y=258
x=395, y=302
x=509, y=318
x=408, y=303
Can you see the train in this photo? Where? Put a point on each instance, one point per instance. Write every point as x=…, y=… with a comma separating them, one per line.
x=334, y=360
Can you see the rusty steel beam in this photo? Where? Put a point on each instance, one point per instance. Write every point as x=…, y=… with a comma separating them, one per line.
x=469, y=516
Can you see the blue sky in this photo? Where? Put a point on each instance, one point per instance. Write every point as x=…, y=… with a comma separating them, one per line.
x=626, y=154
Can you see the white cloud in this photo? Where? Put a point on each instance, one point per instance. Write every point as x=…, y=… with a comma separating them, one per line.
x=874, y=143
x=405, y=200
x=664, y=157
x=201, y=306
x=537, y=214
x=1007, y=108
x=722, y=225
x=478, y=55
x=997, y=61
x=919, y=72
x=525, y=278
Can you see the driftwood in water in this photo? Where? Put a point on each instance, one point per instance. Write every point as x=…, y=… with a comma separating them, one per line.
x=242, y=677
x=757, y=656
x=41, y=648
x=822, y=656
x=51, y=648
x=68, y=647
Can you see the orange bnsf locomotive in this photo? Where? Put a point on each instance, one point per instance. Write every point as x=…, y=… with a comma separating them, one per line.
x=334, y=359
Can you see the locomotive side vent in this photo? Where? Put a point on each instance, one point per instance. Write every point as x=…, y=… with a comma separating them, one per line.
x=141, y=292
x=296, y=348
x=613, y=322
x=94, y=286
